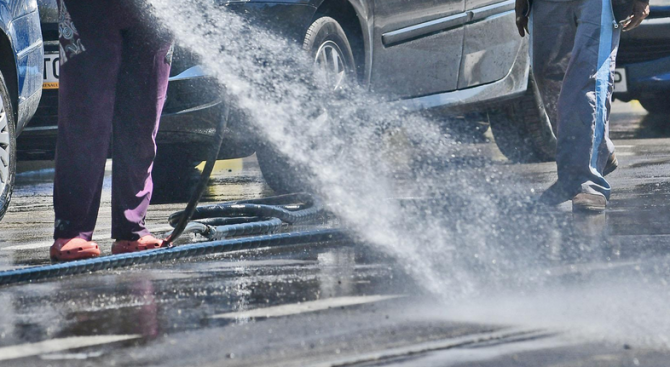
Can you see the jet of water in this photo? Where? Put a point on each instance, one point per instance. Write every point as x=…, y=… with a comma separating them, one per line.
x=463, y=233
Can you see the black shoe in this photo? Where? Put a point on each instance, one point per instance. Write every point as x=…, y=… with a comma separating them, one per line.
x=584, y=202
x=611, y=166
x=555, y=195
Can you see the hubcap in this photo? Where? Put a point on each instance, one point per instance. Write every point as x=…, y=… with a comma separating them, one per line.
x=330, y=61
x=5, y=148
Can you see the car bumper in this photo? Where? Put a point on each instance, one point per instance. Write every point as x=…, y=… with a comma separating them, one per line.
x=192, y=112
x=645, y=54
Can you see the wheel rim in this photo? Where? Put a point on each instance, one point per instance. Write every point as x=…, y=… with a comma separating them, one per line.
x=5, y=148
x=329, y=60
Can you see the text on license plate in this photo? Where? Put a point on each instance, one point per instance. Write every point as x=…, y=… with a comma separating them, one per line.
x=620, y=81
x=51, y=70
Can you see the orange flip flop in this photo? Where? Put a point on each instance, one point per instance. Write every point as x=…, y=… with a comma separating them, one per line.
x=147, y=242
x=69, y=249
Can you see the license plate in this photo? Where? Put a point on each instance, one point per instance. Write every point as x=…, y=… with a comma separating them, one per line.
x=620, y=81
x=51, y=70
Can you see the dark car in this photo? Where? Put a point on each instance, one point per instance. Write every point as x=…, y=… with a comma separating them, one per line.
x=438, y=55
x=643, y=63
x=20, y=83
x=191, y=112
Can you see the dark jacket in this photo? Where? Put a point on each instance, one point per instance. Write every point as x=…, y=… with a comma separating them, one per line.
x=622, y=8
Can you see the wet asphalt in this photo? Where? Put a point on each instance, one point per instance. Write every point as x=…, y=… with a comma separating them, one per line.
x=602, y=302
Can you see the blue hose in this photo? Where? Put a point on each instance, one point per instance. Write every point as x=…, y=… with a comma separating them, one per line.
x=168, y=254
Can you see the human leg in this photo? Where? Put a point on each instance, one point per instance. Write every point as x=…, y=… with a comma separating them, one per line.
x=581, y=33
x=88, y=74
x=552, y=34
x=584, y=147
x=140, y=96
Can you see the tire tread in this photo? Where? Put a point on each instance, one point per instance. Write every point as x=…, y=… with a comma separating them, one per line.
x=521, y=132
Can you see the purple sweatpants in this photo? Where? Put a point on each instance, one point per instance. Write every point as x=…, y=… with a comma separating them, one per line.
x=113, y=80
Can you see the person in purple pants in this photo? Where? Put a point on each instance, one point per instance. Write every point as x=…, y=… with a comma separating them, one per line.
x=113, y=81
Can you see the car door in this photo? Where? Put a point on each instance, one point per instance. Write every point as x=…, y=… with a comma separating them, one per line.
x=418, y=46
x=491, y=42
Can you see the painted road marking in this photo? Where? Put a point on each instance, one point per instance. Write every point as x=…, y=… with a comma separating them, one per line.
x=461, y=346
x=304, y=307
x=59, y=345
x=235, y=265
x=66, y=356
x=28, y=246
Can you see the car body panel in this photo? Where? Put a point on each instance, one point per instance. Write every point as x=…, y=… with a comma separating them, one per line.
x=514, y=84
x=417, y=49
x=491, y=44
x=29, y=62
x=645, y=54
x=20, y=23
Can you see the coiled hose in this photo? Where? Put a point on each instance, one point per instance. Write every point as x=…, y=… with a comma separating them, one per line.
x=249, y=217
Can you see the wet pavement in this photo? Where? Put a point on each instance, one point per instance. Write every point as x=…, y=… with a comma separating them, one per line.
x=594, y=294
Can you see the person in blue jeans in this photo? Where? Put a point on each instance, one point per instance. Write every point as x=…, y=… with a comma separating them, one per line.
x=573, y=53
x=114, y=73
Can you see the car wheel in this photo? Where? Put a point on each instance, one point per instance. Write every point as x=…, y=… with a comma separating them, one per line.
x=7, y=148
x=174, y=174
x=656, y=104
x=326, y=43
x=522, y=129
x=280, y=173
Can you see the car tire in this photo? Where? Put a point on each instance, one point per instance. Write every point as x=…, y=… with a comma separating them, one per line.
x=174, y=174
x=280, y=173
x=7, y=148
x=656, y=104
x=522, y=129
x=324, y=38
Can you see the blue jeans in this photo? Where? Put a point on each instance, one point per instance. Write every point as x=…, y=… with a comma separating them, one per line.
x=574, y=46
